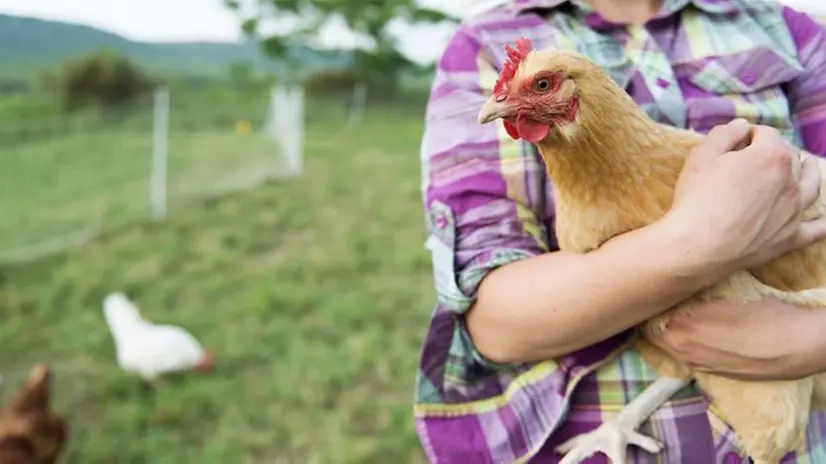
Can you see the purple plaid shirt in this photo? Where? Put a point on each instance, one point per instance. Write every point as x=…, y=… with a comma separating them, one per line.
x=488, y=202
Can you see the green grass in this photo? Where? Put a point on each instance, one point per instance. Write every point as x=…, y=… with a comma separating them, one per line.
x=314, y=293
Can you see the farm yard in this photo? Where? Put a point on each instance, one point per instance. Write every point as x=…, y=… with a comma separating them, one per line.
x=63, y=170
x=313, y=291
x=302, y=272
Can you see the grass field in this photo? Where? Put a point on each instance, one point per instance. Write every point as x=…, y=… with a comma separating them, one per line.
x=66, y=177
x=313, y=292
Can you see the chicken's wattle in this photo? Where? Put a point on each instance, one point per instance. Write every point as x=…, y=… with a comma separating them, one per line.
x=510, y=128
x=205, y=363
x=525, y=128
x=531, y=130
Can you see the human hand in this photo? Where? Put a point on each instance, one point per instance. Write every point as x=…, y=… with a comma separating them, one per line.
x=744, y=206
x=745, y=340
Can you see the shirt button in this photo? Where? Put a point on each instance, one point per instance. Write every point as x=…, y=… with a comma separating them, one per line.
x=441, y=222
x=732, y=458
x=748, y=77
x=662, y=82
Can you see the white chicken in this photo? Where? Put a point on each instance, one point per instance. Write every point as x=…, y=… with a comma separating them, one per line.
x=150, y=350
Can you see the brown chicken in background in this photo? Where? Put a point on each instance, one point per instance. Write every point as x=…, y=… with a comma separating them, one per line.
x=30, y=432
x=614, y=169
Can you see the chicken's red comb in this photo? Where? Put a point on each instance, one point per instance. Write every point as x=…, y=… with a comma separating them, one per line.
x=515, y=58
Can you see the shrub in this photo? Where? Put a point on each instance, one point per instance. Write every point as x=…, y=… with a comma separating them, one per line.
x=104, y=79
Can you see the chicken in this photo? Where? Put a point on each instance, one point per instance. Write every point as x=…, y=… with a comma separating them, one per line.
x=30, y=433
x=614, y=170
x=147, y=349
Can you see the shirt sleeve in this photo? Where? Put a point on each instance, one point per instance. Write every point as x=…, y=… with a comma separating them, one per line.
x=807, y=93
x=484, y=193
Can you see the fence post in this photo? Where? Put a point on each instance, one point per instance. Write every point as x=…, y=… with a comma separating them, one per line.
x=358, y=103
x=286, y=124
x=160, y=133
x=298, y=129
x=273, y=124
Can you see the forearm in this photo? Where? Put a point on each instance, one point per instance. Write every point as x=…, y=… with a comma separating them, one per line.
x=745, y=341
x=560, y=302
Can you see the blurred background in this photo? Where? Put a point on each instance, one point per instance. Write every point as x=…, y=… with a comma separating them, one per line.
x=248, y=170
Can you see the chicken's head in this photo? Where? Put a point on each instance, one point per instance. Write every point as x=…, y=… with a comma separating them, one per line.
x=538, y=92
x=119, y=311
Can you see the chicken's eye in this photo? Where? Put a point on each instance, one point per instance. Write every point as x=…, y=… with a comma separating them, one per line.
x=542, y=84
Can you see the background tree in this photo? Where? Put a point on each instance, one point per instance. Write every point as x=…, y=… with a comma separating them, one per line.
x=106, y=79
x=371, y=18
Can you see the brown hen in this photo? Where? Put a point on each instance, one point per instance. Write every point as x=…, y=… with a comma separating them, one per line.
x=30, y=432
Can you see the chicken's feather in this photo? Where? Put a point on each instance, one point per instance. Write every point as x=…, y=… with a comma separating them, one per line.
x=148, y=349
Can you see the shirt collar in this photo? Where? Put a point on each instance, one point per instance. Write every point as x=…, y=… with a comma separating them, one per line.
x=669, y=6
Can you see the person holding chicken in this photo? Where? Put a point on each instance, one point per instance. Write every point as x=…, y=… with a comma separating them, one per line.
x=509, y=301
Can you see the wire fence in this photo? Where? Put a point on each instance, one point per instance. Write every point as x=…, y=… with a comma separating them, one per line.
x=66, y=177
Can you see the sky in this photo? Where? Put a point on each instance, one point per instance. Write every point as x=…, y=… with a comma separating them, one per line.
x=183, y=20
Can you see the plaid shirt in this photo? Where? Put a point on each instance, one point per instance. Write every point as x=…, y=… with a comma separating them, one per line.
x=488, y=202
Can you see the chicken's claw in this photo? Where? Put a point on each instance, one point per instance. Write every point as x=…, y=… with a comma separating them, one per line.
x=611, y=438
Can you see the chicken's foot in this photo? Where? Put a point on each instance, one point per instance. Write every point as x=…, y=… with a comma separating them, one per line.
x=613, y=437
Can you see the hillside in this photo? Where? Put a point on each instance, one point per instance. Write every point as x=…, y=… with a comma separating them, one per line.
x=28, y=45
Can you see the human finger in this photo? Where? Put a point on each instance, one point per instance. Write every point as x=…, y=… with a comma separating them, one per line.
x=673, y=342
x=725, y=137
x=811, y=231
x=766, y=137
x=654, y=334
x=810, y=181
x=768, y=144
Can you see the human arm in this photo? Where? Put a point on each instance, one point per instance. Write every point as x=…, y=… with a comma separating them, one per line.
x=483, y=192
x=522, y=304
x=493, y=191
x=807, y=92
x=746, y=341
x=709, y=233
x=509, y=288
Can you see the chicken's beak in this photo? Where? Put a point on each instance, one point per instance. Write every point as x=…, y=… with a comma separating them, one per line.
x=494, y=109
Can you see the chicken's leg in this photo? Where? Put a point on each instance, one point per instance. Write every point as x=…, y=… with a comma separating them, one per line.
x=613, y=437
